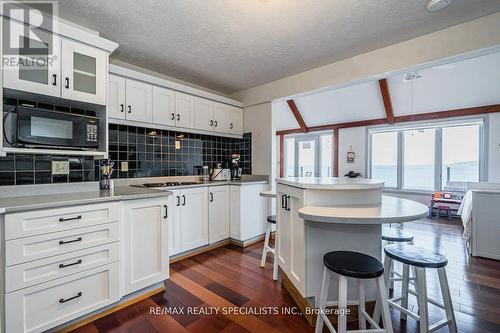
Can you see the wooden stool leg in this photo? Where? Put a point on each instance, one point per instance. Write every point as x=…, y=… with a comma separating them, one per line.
x=448, y=305
x=322, y=300
x=361, y=306
x=384, y=306
x=422, y=300
x=404, y=290
x=342, y=307
x=266, y=245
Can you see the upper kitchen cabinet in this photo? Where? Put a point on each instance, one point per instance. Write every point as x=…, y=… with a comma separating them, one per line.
x=70, y=64
x=163, y=106
x=204, y=114
x=221, y=117
x=44, y=79
x=116, y=97
x=84, y=72
x=184, y=108
x=139, y=98
x=235, y=122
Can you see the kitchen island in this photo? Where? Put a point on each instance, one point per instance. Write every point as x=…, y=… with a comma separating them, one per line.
x=318, y=215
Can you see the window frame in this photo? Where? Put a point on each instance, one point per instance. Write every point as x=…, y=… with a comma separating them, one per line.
x=316, y=136
x=438, y=156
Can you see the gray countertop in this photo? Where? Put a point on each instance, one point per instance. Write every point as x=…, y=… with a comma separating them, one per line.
x=13, y=198
x=22, y=203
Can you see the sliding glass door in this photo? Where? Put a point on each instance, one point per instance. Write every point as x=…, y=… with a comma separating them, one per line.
x=309, y=155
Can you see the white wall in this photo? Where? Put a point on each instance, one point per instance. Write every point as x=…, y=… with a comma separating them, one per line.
x=494, y=148
x=355, y=137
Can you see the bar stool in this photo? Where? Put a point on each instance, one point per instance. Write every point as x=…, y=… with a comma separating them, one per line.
x=271, y=220
x=361, y=267
x=391, y=236
x=420, y=258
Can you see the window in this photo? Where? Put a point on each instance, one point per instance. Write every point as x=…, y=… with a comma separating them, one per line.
x=385, y=157
x=434, y=157
x=309, y=155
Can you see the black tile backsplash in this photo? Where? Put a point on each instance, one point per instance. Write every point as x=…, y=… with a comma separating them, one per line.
x=149, y=153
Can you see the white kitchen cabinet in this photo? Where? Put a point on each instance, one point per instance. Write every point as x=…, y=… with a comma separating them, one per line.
x=192, y=212
x=248, y=211
x=139, y=97
x=235, y=120
x=184, y=108
x=221, y=118
x=174, y=224
x=44, y=306
x=290, y=229
x=144, y=243
x=163, y=106
x=218, y=213
x=42, y=80
x=204, y=114
x=84, y=72
x=116, y=97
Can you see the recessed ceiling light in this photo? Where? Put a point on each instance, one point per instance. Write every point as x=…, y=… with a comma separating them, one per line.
x=437, y=5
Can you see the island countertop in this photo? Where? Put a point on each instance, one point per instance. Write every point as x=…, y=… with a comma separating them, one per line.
x=331, y=183
x=391, y=210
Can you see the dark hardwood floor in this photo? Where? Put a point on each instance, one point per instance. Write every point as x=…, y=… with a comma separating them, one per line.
x=231, y=277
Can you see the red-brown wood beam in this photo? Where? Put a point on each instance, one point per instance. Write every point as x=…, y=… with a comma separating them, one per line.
x=399, y=119
x=297, y=115
x=336, y=152
x=386, y=98
x=282, y=155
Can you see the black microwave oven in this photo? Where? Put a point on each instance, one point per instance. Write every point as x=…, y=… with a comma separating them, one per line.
x=40, y=128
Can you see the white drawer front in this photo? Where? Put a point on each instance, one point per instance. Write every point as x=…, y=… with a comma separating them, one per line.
x=38, y=247
x=43, y=306
x=43, y=270
x=38, y=222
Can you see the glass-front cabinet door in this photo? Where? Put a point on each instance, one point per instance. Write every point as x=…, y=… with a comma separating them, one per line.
x=83, y=73
x=31, y=63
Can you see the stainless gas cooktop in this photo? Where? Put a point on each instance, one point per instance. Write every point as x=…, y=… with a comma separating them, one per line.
x=165, y=184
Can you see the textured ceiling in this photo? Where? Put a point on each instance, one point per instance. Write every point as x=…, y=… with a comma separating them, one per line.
x=231, y=45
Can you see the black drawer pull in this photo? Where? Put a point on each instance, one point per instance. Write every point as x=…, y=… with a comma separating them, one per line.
x=79, y=239
x=178, y=117
x=173, y=116
x=67, y=82
x=54, y=79
x=72, y=264
x=62, y=300
x=166, y=211
x=62, y=219
x=184, y=200
x=287, y=202
x=121, y=108
x=178, y=201
x=211, y=197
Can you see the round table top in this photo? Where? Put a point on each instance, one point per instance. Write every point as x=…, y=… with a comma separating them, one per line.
x=268, y=194
x=391, y=210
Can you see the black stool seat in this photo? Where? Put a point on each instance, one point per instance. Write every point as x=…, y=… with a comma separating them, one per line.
x=353, y=264
x=271, y=219
x=415, y=256
x=396, y=235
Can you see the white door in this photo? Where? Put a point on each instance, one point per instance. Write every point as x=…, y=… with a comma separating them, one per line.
x=235, y=120
x=221, y=117
x=194, y=218
x=84, y=72
x=218, y=213
x=163, y=106
x=116, y=97
x=174, y=223
x=144, y=243
x=44, y=79
x=184, y=108
x=204, y=110
x=139, y=98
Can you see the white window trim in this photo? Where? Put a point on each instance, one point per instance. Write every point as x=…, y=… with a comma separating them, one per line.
x=438, y=125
